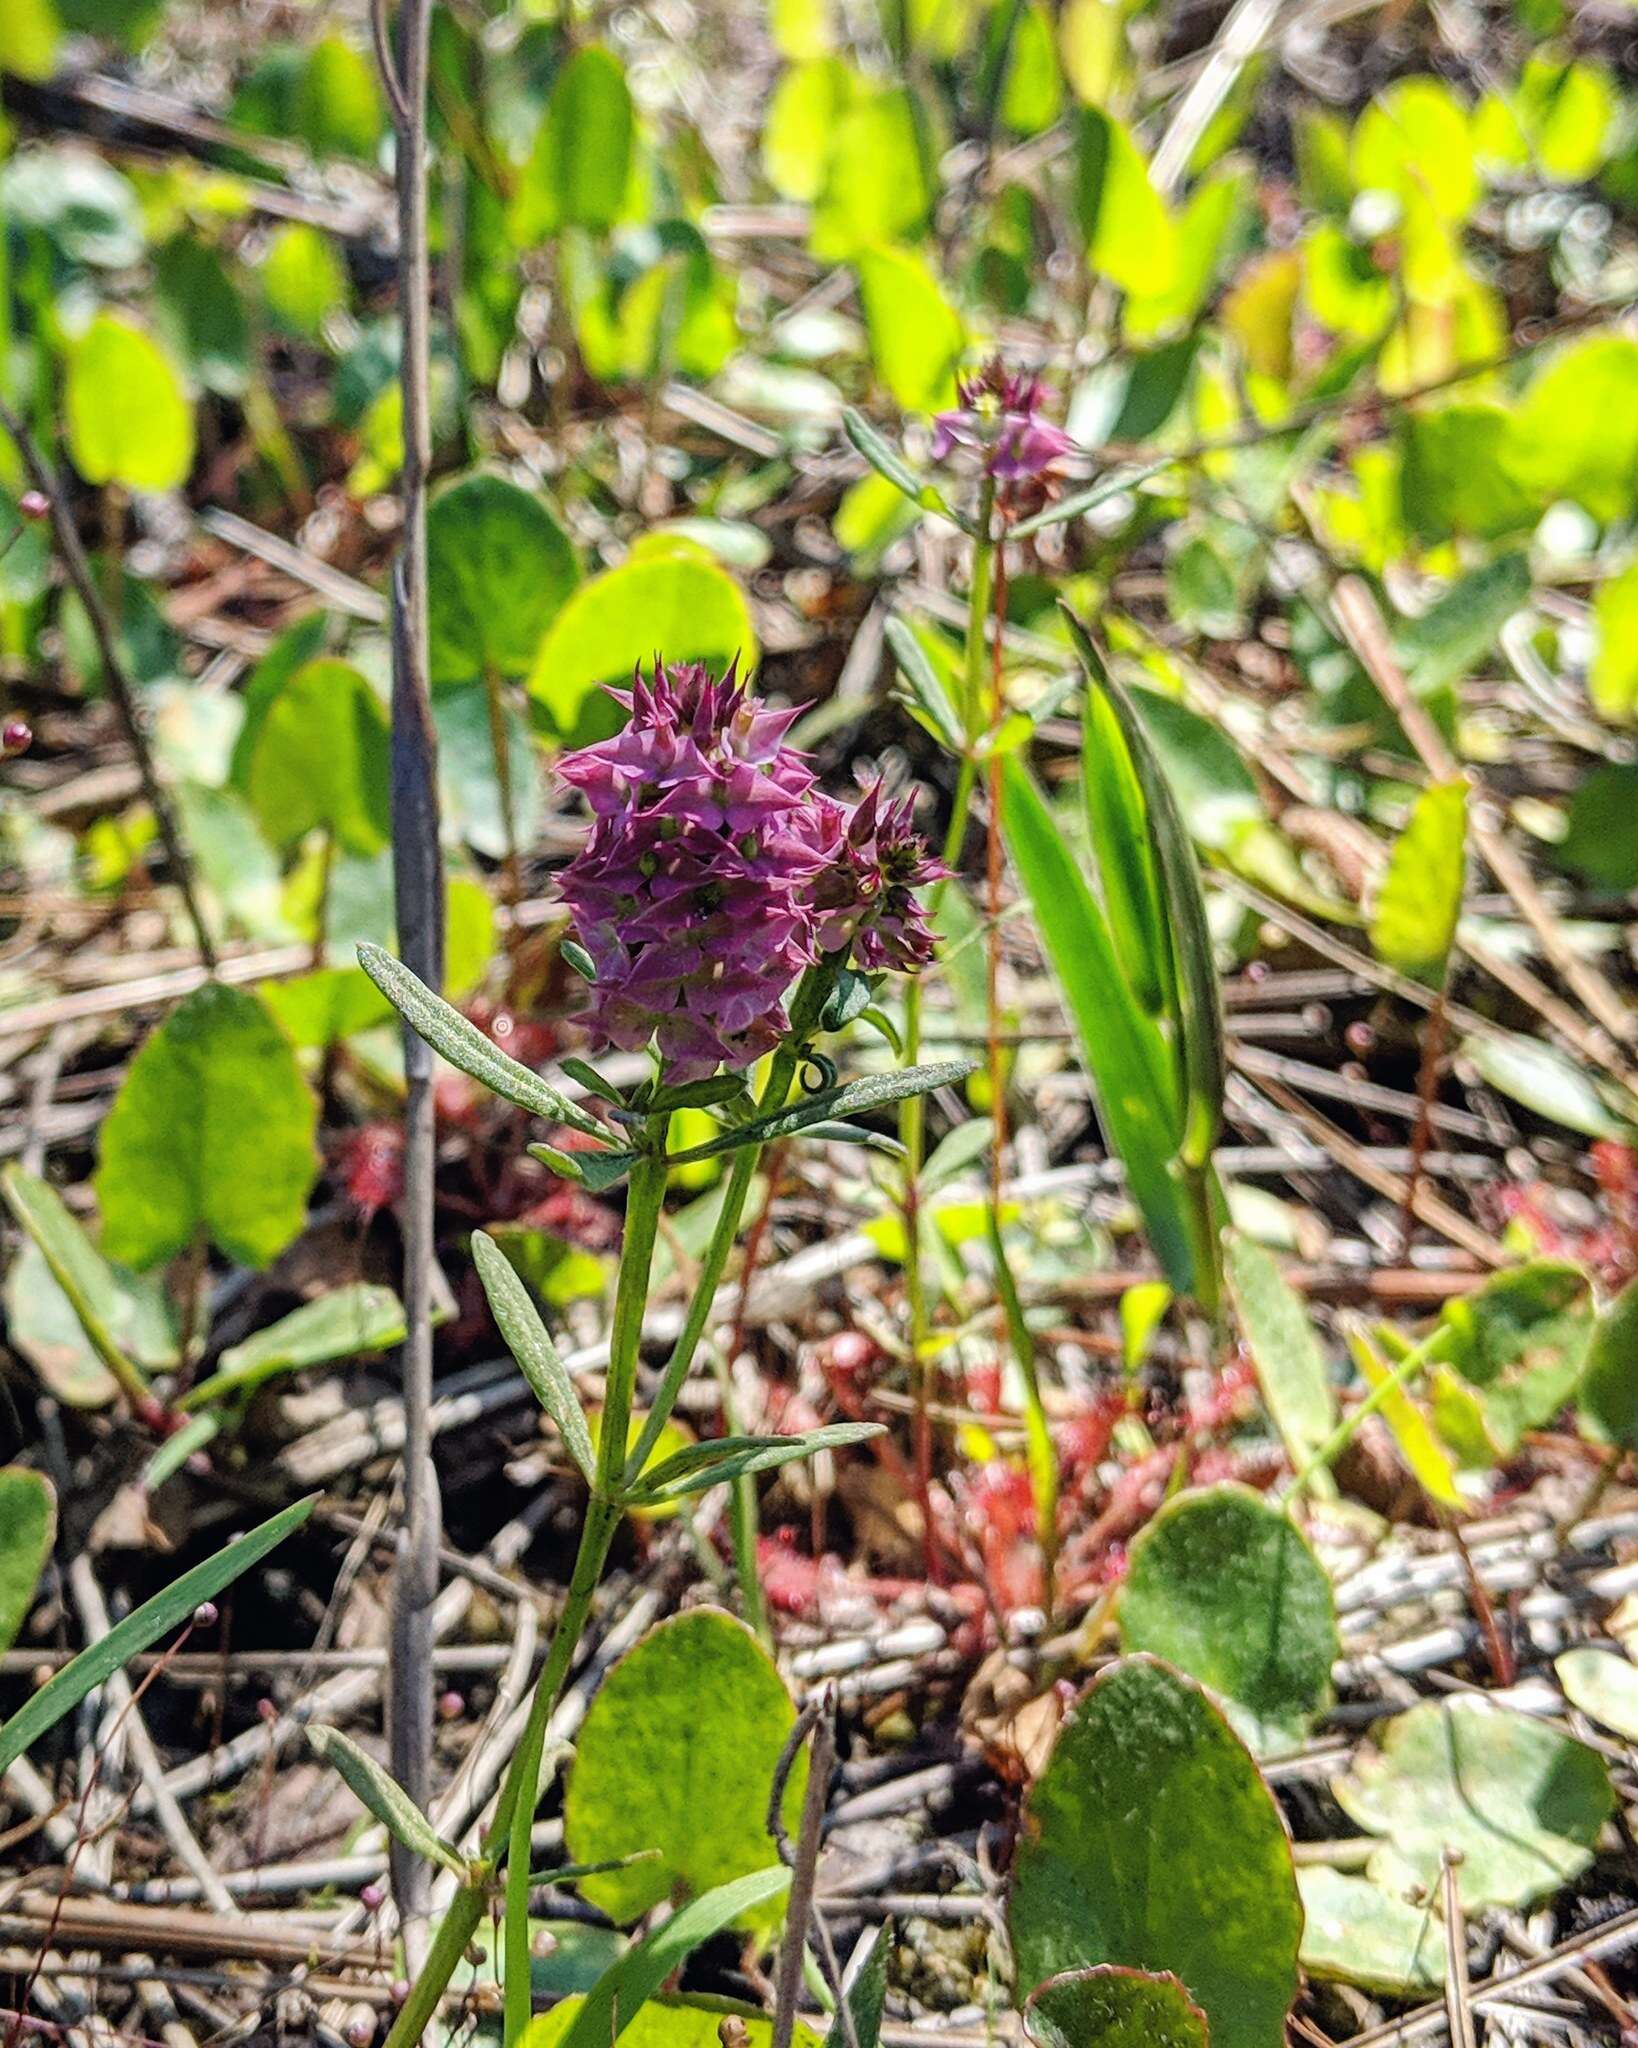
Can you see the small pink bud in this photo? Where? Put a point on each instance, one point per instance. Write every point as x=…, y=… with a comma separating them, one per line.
x=16, y=738
x=34, y=504
x=399, y=1990
x=360, y=2031
x=1359, y=1038
x=451, y=1706
x=372, y=1895
x=205, y=1614
x=267, y=1710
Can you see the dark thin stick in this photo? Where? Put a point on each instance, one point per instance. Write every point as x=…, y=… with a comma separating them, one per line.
x=1427, y=1084
x=804, y=1861
x=418, y=894
x=119, y=683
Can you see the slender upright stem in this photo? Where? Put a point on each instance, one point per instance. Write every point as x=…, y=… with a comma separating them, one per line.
x=500, y=743
x=913, y=1111
x=119, y=685
x=644, y=1200
x=418, y=889
x=1427, y=1084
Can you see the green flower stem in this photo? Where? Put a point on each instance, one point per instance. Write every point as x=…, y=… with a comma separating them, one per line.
x=1348, y=1428
x=913, y=1111
x=644, y=1201
x=806, y=1009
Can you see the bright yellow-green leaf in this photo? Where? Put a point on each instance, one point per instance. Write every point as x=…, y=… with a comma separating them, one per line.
x=1577, y=428
x=1413, y=140
x=1612, y=678
x=800, y=131
x=672, y=597
x=916, y=336
x=129, y=420
x=1418, y=1446
x=800, y=28
x=878, y=184
x=1420, y=901
x=1130, y=237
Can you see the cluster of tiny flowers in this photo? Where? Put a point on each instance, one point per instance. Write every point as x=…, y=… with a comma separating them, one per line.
x=1000, y=418
x=715, y=872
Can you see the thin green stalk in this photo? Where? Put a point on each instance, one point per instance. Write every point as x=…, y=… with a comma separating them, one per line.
x=645, y=1198
x=912, y=1111
x=1348, y=1428
x=806, y=1010
x=742, y=1510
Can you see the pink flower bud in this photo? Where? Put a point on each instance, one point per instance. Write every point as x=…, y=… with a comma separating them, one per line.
x=205, y=1614
x=34, y=504
x=16, y=738
x=372, y=1895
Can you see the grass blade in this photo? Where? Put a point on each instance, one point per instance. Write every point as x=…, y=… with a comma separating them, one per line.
x=1125, y=1057
x=142, y=1628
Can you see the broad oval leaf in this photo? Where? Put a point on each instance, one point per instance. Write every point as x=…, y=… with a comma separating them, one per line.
x=1150, y=1841
x=670, y=2022
x=578, y=172
x=28, y=1522
x=1522, y=1803
x=671, y=596
x=1223, y=1586
x=1553, y=1085
x=210, y=1137
x=166, y=1611
x=499, y=569
x=1357, y=1933
x=1604, y=1685
x=623, y=1991
x=1609, y=1380
x=128, y=419
x=916, y=336
x=699, y=1701
x=1107, y=2007
x=318, y=759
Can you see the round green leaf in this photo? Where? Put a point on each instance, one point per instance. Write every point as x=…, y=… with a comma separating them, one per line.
x=1356, y=1933
x=1112, y=2008
x=303, y=279
x=1603, y=1685
x=669, y=598
x=319, y=758
x=335, y=106
x=41, y=1323
x=1522, y=1803
x=129, y=421
x=499, y=568
x=670, y=2023
x=1150, y=1841
x=28, y=1520
x=1412, y=141
x=577, y=174
x=211, y=1135
x=1419, y=903
x=1576, y=433
x=1223, y=1586
x=1609, y=1382
x=677, y=1754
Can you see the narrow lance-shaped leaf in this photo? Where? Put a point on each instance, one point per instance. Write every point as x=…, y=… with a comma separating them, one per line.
x=864, y=1992
x=1079, y=503
x=1125, y=1057
x=1419, y=904
x=736, y=1457
x=458, y=1040
x=923, y=684
x=887, y=462
x=529, y=1344
x=140, y=1629
x=851, y=1099
x=1290, y=1365
x=1129, y=881
x=1200, y=1009
x=383, y=1796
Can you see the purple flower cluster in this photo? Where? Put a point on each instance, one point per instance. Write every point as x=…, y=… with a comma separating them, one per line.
x=715, y=872
x=999, y=417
